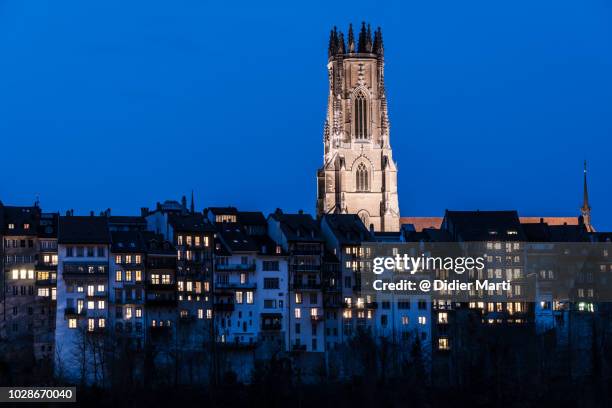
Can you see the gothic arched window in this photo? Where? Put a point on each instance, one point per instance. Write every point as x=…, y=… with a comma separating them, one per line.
x=360, y=116
x=363, y=182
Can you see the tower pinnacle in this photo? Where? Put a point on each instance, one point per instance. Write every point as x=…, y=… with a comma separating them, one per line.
x=585, y=210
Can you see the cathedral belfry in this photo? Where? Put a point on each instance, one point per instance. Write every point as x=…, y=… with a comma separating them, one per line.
x=358, y=175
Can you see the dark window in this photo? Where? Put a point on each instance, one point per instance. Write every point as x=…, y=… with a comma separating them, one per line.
x=271, y=283
x=270, y=266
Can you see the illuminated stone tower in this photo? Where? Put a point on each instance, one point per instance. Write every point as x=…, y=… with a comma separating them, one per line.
x=358, y=175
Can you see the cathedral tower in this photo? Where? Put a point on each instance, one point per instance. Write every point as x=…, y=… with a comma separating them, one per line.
x=358, y=175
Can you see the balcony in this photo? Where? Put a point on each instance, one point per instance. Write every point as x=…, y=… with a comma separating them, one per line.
x=271, y=321
x=72, y=312
x=306, y=268
x=161, y=301
x=46, y=282
x=235, y=267
x=41, y=266
x=306, y=252
x=224, y=307
x=162, y=287
x=306, y=286
x=235, y=285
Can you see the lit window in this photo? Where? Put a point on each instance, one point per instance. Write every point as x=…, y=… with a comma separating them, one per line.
x=118, y=276
x=15, y=273
x=422, y=320
x=91, y=324
x=90, y=290
x=101, y=304
x=72, y=323
x=128, y=259
x=298, y=298
x=138, y=276
x=139, y=312
x=443, y=317
x=11, y=226
x=209, y=313
x=128, y=276
x=249, y=297
x=128, y=312
x=238, y=296
x=118, y=259
x=138, y=259
x=405, y=320
x=91, y=305
x=100, y=288
x=205, y=240
x=200, y=313
x=101, y=322
x=26, y=226
x=443, y=344
x=298, y=313
x=197, y=241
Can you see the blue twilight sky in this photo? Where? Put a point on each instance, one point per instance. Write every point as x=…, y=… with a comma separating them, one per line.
x=493, y=104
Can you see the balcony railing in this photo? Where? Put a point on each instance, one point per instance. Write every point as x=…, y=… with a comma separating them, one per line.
x=224, y=307
x=235, y=267
x=271, y=326
x=46, y=282
x=235, y=285
x=161, y=301
x=306, y=286
x=306, y=268
x=41, y=266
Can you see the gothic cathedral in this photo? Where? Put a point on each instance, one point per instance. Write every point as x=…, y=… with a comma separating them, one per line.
x=358, y=175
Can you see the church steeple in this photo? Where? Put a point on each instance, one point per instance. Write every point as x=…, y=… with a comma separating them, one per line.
x=359, y=175
x=192, y=203
x=585, y=210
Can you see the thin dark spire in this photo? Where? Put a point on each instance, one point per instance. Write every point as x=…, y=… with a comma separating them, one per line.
x=378, y=42
x=361, y=47
x=369, y=39
x=585, y=197
x=340, y=44
x=192, y=203
x=351, y=39
x=333, y=40
x=585, y=210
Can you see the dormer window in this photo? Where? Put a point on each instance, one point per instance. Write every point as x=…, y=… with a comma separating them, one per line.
x=26, y=226
x=11, y=226
x=512, y=232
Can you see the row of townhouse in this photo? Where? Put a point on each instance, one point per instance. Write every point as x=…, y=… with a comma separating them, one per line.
x=28, y=259
x=196, y=283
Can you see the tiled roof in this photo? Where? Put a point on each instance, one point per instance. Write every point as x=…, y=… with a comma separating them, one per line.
x=348, y=228
x=190, y=222
x=299, y=227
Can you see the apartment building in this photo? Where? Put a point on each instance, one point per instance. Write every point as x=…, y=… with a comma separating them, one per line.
x=84, y=258
x=300, y=237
